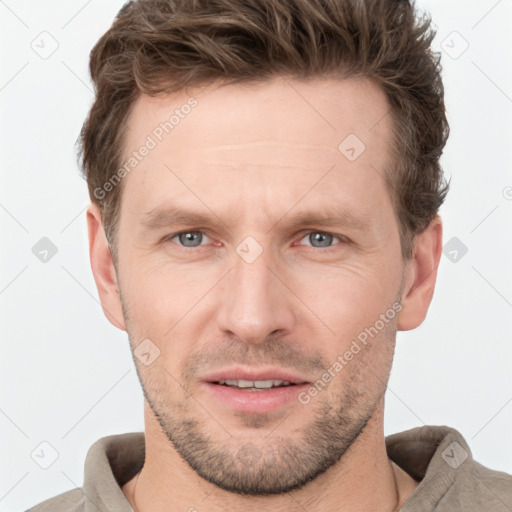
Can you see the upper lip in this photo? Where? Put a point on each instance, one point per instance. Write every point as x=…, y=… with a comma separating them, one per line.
x=253, y=374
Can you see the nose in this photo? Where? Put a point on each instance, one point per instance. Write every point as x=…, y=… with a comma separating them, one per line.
x=254, y=301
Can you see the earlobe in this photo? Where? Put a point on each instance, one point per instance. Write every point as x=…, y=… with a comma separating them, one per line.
x=420, y=276
x=103, y=269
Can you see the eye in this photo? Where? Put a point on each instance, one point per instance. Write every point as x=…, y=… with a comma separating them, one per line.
x=319, y=239
x=188, y=239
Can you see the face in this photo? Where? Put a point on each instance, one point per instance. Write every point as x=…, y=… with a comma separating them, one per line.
x=258, y=243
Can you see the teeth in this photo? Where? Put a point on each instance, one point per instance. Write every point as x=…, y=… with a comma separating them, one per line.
x=260, y=384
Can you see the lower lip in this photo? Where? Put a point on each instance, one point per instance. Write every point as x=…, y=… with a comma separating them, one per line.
x=255, y=401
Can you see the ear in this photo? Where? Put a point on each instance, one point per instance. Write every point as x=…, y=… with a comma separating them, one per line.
x=420, y=276
x=103, y=269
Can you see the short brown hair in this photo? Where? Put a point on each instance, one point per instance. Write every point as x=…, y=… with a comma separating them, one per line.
x=162, y=46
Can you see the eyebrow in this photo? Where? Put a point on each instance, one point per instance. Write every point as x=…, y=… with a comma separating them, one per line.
x=166, y=217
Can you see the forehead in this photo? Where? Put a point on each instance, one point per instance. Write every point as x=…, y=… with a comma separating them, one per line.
x=265, y=142
x=317, y=112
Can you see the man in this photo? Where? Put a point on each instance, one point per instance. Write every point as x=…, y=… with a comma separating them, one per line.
x=265, y=186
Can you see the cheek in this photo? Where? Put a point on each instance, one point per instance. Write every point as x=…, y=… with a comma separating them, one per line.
x=345, y=297
x=348, y=304
x=159, y=293
x=167, y=306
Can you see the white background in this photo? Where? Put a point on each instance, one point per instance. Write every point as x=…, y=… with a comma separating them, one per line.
x=67, y=374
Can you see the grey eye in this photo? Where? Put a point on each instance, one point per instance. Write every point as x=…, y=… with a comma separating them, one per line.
x=322, y=239
x=190, y=238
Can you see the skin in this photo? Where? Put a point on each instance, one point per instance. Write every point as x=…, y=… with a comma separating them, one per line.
x=253, y=157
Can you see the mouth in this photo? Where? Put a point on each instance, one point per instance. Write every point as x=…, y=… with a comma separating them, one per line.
x=254, y=385
x=247, y=391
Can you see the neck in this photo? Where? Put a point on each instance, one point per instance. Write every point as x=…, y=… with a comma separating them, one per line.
x=363, y=479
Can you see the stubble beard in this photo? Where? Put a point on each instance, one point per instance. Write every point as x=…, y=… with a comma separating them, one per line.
x=273, y=462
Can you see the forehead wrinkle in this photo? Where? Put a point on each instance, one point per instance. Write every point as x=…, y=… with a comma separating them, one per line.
x=244, y=156
x=264, y=142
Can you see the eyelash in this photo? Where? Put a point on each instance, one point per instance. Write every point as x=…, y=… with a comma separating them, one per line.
x=342, y=239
